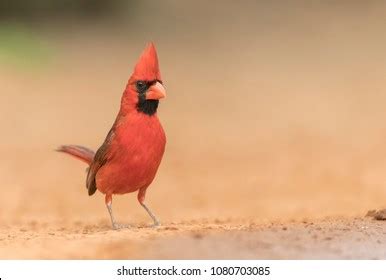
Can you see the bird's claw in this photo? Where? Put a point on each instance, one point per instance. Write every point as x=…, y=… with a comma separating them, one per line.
x=156, y=224
x=117, y=226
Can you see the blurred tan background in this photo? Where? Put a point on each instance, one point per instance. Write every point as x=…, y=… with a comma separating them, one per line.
x=275, y=109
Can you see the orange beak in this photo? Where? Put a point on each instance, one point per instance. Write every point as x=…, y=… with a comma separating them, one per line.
x=156, y=92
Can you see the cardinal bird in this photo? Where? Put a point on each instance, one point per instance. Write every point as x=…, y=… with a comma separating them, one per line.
x=129, y=158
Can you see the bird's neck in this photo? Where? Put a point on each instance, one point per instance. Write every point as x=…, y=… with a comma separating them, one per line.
x=136, y=123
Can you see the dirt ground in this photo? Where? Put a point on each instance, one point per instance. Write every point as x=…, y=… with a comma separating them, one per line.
x=274, y=122
x=330, y=238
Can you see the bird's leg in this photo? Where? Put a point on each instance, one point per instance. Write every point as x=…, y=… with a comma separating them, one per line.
x=141, y=199
x=156, y=222
x=113, y=223
x=108, y=201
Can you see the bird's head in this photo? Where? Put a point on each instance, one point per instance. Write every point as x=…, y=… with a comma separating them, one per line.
x=144, y=88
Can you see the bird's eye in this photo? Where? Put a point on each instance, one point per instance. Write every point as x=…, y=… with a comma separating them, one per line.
x=141, y=86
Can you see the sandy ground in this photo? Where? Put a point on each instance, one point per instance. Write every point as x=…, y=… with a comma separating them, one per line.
x=274, y=120
x=330, y=238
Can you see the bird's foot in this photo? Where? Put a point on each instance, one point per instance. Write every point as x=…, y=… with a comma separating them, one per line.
x=117, y=226
x=156, y=224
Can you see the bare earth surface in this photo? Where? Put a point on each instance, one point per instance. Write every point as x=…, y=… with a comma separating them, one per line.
x=332, y=238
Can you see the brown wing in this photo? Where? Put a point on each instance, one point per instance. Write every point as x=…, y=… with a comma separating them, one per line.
x=100, y=159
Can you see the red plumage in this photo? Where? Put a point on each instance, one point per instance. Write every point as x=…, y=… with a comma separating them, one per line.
x=129, y=158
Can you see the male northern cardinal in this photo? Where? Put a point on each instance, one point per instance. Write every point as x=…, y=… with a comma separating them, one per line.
x=129, y=158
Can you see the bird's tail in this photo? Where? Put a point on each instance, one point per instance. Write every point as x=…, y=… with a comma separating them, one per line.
x=84, y=154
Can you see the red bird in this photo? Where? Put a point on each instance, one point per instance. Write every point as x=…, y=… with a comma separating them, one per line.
x=129, y=158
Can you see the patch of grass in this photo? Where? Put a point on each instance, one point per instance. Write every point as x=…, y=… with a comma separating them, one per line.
x=20, y=47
